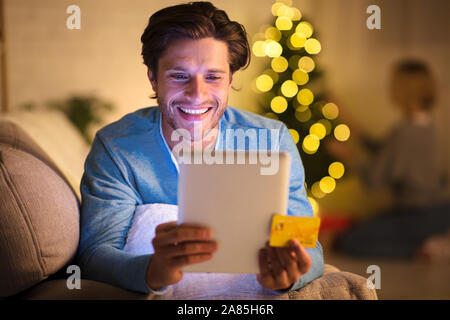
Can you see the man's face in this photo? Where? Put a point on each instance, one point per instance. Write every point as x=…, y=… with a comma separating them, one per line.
x=192, y=84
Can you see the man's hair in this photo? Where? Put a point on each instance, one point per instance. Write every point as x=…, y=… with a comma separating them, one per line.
x=194, y=20
x=418, y=81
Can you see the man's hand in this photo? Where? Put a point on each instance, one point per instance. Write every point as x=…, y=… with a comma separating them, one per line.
x=280, y=268
x=177, y=246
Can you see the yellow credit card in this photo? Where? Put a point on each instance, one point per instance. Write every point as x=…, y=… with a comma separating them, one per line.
x=285, y=228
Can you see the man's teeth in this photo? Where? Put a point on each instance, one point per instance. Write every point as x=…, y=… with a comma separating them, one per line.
x=194, y=111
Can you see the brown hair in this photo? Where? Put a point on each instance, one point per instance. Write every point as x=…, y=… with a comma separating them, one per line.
x=416, y=81
x=194, y=20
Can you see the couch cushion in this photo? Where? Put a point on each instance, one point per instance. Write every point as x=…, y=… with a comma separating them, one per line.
x=39, y=221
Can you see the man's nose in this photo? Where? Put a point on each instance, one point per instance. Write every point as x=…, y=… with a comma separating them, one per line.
x=196, y=89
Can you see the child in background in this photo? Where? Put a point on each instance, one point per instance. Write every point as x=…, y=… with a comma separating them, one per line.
x=409, y=163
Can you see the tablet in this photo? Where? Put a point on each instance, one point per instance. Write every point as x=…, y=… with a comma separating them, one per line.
x=238, y=202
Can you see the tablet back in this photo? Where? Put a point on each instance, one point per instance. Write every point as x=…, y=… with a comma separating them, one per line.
x=238, y=202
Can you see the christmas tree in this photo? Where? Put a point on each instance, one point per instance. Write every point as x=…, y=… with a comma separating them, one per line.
x=291, y=91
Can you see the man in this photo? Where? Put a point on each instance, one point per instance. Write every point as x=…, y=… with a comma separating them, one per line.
x=191, y=51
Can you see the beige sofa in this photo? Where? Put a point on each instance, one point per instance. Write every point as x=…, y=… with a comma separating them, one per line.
x=39, y=226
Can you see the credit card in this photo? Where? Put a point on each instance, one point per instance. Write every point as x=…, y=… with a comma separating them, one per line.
x=303, y=229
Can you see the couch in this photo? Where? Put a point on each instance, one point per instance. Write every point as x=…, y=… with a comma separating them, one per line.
x=41, y=161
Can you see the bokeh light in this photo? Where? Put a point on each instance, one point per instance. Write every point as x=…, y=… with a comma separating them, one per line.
x=316, y=191
x=289, y=88
x=295, y=135
x=297, y=14
x=305, y=29
x=259, y=48
x=310, y=144
x=327, y=184
x=273, y=33
x=300, y=77
x=275, y=7
x=318, y=130
x=297, y=41
x=342, y=132
x=306, y=64
x=302, y=115
x=315, y=206
x=264, y=83
x=305, y=97
x=330, y=111
x=272, y=74
x=283, y=23
x=312, y=46
x=336, y=170
x=279, y=64
x=278, y=104
x=327, y=124
x=293, y=61
x=273, y=49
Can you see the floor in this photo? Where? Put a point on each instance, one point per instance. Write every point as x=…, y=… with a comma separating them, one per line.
x=399, y=279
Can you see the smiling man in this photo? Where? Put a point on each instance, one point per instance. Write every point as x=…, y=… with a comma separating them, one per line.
x=192, y=52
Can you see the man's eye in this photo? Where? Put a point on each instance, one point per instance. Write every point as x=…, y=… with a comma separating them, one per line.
x=179, y=76
x=212, y=78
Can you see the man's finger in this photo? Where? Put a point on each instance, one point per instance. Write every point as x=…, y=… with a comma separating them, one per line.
x=289, y=264
x=188, y=248
x=165, y=226
x=181, y=234
x=303, y=258
x=183, y=261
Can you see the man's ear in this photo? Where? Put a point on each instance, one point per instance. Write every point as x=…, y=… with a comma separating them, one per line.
x=152, y=77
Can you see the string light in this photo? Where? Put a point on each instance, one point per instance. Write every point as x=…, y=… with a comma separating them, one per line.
x=327, y=184
x=303, y=115
x=264, y=83
x=289, y=88
x=330, y=111
x=315, y=206
x=306, y=64
x=316, y=191
x=273, y=33
x=273, y=49
x=300, y=77
x=342, y=132
x=310, y=144
x=336, y=170
x=295, y=135
x=259, y=48
x=305, y=97
x=318, y=130
x=278, y=104
x=312, y=46
x=305, y=29
x=297, y=40
x=283, y=23
x=279, y=64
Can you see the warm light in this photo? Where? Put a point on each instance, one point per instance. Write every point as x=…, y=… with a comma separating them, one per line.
x=295, y=135
x=306, y=64
x=336, y=170
x=297, y=40
x=310, y=144
x=315, y=190
x=283, y=23
x=293, y=61
x=289, y=88
x=279, y=64
x=286, y=2
x=342, y=132
x=278, y=104
x=264, y=83
x=273, y=49
x=273, y=33
x=330, y=111
x=271, y=115
x=297, y=14
x=285, y=11
x=272, y=74
x=315, y=206
x=326, y=124
x=303, y=115
x=305, y=29
x=300, y=77
x=312, y=46
x=327, y=184
x=305, y=97
x=318, y=130
x=259, y=48
x=275, y=7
